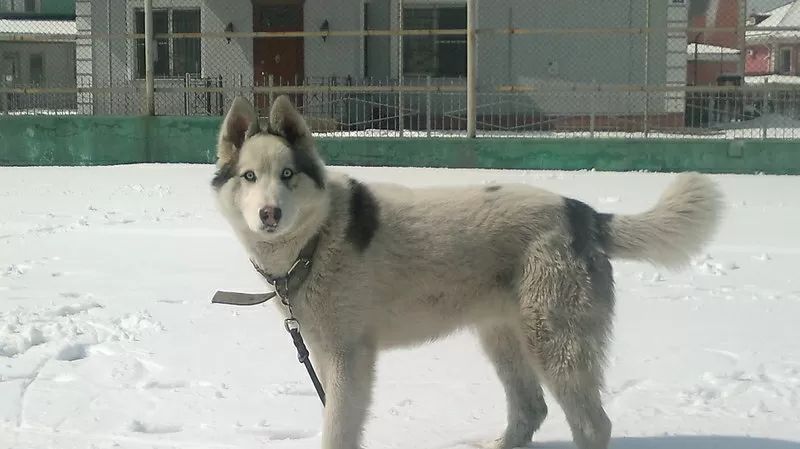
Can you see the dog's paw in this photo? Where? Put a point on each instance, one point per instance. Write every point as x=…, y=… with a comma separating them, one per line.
x=500, y=443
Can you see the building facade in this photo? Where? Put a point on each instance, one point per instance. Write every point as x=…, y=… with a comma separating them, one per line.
x=47, y=62
x=546, y=60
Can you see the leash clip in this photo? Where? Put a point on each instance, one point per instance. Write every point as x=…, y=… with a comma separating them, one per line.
x=291, y=324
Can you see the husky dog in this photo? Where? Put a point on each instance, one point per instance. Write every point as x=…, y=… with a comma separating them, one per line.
x=528, y=270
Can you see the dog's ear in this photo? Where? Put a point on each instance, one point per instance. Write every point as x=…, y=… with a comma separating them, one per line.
x=240, y=123
x=285, y=120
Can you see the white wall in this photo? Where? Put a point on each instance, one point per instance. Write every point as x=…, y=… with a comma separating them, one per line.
x=562, y=58
x=550, y=59
x=219, y=56
x=337, y=56
x=677, y=16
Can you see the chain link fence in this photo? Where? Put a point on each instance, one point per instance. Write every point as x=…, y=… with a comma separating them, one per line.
x=567, y=68
x=37, y=69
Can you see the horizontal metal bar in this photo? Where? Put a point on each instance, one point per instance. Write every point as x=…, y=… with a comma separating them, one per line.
x=632, y=30
x=68, y=90
x=463, y=32
x=351, y=33
x=41, y=37
x=250, y=89
x=761, y=87
x=313, y=88
x=37, y=38
x=582, y=88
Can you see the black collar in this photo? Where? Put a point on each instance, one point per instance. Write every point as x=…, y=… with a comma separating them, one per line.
x=298, y=273
x=285, y=285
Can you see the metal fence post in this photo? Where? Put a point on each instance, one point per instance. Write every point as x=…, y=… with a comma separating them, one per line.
x=149, y=59
x=271, y=95
x=187, y=82
x=3, y=97
x=400, y=68
x=472, y=85
x=593, y=108
x=742, y=38
x=428, y=106
x=646, y=118
x=764, y=104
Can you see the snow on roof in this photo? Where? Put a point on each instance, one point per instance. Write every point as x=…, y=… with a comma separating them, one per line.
x=783, y=16
x=50, y=27
x=708, y=52
x=708, y=49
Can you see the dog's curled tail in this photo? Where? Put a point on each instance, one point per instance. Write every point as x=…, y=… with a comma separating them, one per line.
x=676, y=228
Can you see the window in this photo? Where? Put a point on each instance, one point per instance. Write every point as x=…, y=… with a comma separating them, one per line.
x=19, y=5
x=441, y=55
x=279, y=18
x=10, y=68
x=36, y=69
x=174, y=57
x=785, y=61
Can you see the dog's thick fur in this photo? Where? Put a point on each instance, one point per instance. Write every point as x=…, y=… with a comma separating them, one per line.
x=526, y=268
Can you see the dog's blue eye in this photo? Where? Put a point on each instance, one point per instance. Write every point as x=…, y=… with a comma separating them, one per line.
x=287, y=173
x=249, y=175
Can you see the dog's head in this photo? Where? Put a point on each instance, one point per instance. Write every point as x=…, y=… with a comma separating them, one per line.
x=269, y=181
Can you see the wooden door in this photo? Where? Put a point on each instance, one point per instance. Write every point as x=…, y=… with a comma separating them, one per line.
x=281, y=57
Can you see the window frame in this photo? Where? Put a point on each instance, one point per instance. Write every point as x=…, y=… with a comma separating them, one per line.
x=16, y=75
x=782, y=51
x=41, y=81
x=439, y=40
x=170, y=71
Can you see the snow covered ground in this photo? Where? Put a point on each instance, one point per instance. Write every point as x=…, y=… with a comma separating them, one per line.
x=108, y=338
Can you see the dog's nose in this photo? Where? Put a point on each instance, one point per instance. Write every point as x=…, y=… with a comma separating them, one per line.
x=270, y=216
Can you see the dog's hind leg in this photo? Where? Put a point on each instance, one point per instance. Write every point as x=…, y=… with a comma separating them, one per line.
x=578, y=393
x=566, y=313
x=524, y=397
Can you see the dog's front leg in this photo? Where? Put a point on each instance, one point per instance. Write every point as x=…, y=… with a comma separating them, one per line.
x=350, y=372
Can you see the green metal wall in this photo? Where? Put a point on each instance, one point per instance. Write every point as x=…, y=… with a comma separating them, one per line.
x=59, y=7
x=48, y=140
